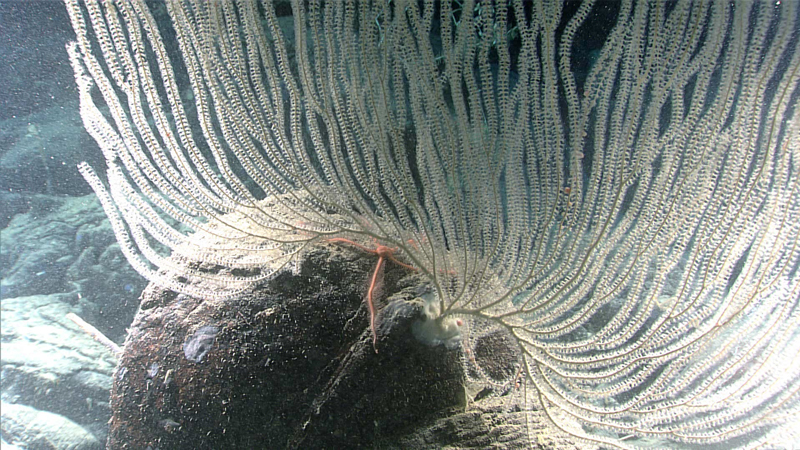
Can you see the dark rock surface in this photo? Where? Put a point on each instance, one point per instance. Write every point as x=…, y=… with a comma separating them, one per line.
x=291, y=364
x=288, y=365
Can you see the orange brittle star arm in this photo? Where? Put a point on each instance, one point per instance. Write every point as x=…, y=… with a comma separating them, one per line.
x=383, y=253
x=373, y=313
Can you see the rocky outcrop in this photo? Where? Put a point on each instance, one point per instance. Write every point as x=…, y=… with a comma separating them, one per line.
x=290, y=364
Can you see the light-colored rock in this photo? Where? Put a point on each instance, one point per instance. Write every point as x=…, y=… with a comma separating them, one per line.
x=32, y=428
x=50, y=364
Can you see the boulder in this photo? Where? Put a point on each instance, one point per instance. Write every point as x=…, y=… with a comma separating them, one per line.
x=291, y=364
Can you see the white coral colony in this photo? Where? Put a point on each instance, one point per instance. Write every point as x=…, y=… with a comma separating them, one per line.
x=614, y=186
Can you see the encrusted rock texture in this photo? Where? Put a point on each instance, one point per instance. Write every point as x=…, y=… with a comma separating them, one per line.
x=290, y=364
